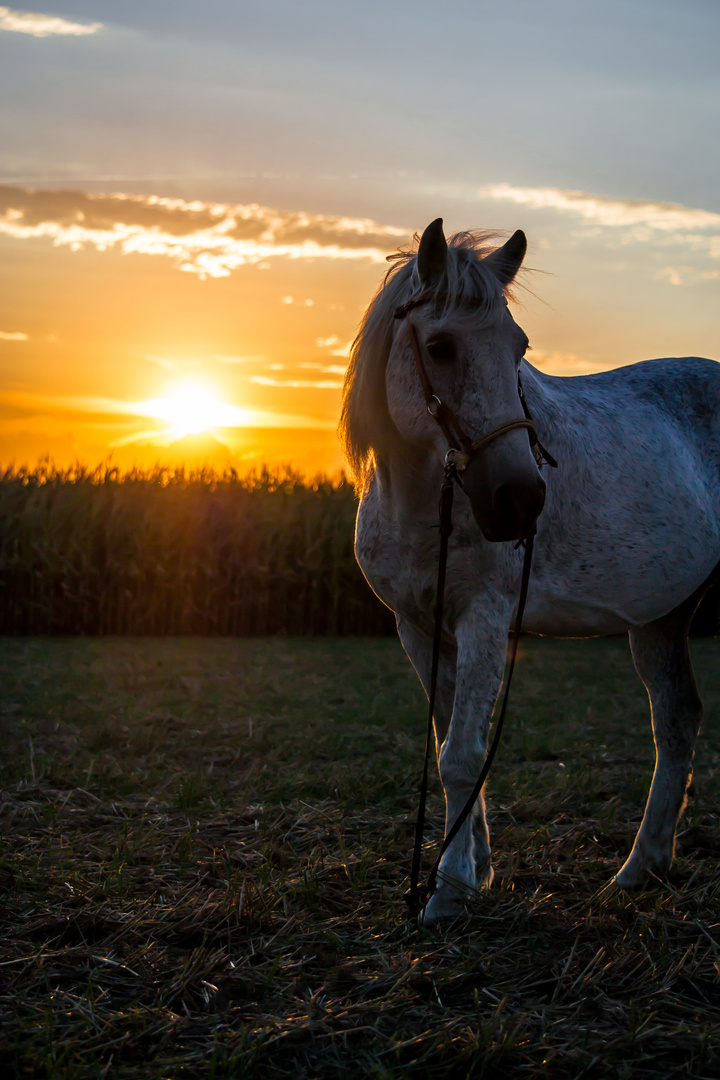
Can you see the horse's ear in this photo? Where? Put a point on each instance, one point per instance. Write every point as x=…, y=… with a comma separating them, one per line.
x=507, y=260
x=432, y=253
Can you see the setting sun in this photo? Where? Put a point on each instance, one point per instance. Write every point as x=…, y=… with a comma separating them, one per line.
x=193, y=408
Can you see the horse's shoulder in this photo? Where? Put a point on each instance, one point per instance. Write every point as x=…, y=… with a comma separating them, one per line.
x=374, y=534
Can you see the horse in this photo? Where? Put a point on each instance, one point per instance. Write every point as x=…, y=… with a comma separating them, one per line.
x=626, y=529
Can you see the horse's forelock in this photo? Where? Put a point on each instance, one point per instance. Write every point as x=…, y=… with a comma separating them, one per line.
x=469, y=290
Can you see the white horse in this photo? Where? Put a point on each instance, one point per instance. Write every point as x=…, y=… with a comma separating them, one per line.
x=628, y=525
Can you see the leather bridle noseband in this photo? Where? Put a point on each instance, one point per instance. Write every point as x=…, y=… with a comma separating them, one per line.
x=461, y=451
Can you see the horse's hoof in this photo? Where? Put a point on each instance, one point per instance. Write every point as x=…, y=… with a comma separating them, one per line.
x=441, y=907
x=484, y=874
x=636, y=876
x=643, y=865
x=630, y=878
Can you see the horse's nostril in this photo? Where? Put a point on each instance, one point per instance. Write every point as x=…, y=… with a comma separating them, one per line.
x=519, y=503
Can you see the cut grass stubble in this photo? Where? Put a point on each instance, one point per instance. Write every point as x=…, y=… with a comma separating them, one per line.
x=206, y=845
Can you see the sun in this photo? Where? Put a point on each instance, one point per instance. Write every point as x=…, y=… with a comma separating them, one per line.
x=193, y=408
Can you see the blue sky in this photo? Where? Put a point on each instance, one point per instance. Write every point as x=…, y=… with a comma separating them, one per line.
x=619, y=98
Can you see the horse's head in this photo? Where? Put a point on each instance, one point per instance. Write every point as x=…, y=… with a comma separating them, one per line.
x=466, y=354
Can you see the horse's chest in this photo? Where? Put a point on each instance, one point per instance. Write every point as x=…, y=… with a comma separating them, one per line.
x=400, y=569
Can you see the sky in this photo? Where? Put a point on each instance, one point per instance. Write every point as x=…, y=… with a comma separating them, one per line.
x=196, y=202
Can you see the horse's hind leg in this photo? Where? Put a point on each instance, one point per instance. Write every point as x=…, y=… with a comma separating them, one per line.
x=662, y=660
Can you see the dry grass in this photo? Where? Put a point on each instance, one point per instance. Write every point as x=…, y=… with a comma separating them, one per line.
x=206, y=843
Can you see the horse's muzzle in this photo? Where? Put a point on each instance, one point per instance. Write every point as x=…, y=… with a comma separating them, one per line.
x=509, y=509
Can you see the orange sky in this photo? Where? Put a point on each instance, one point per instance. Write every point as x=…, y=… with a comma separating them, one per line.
x=154, y=330
x=124, y=348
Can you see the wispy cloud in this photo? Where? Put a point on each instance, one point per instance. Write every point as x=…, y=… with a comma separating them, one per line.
x=605, y=210
x=7, y=335
x=685, y=275
x=208, y=239
x=555, y=363
x=238, y=359
x=327, y=369
x=153, y=409
x=313, y=384
x=336, y=346
x=642, y=221
x=161, y=361
x=39, y=25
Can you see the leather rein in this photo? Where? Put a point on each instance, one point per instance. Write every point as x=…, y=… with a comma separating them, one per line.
x=461, y=450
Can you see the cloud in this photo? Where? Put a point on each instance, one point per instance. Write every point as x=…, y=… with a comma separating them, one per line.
x=238, y=359
x=327, y=369
x=95, y=407
x=7, y=335
x=555, y=363
x=168, y=364
x=33, y=22
x=604, y=210
x=643, y=221
x=684, y=275
x=208, y=239
x=161, y=361
x=337, y=347
x=313, y=384
x=52, y=403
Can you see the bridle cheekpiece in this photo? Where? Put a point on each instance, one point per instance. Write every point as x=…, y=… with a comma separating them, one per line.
x=462, y=449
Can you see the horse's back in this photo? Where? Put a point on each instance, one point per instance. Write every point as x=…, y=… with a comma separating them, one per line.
x=631, y=525
x=633, y=413
x=682, y=390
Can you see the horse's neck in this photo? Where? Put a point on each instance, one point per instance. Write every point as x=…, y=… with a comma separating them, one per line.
x=536, y=385
x=408, y=489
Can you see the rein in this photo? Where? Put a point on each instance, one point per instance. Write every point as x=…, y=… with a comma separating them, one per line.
x=456, y=460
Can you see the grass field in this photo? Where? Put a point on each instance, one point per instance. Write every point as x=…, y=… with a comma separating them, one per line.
x=205, y=845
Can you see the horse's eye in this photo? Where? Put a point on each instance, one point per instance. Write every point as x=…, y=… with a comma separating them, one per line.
x=442, y=348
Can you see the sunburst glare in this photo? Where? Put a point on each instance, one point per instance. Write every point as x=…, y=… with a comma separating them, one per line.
x=191, y=408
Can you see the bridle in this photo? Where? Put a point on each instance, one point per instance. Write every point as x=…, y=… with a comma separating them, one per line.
x=460, y=446
x=461, y=451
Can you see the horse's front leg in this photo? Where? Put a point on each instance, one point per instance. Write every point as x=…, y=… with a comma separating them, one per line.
x=419, y=646
x=465, y=866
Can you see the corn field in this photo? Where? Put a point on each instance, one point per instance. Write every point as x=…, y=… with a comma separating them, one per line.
x=168, y=552
x=161, y=552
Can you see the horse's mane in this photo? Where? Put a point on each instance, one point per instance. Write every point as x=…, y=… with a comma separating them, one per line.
x=366, y=429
